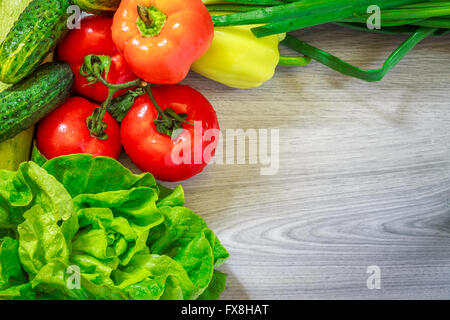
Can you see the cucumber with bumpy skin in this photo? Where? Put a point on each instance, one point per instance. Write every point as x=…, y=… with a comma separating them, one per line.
x=16, y=150
x=35, y=33
x=103, y=7
x=30, y=100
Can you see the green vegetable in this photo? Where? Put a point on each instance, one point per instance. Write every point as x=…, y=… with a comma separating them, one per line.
x=12, y=278
x=129, y=237
x=34, y=35
x=28, y=101
x=432, y=14
x=300, y=14
x=120, y=105
x=350, y=70
x=216, y=287
x=417, y=18
x=98, y=6
x=10, y=11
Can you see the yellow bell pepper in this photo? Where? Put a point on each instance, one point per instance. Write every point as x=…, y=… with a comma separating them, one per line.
x=237, y=58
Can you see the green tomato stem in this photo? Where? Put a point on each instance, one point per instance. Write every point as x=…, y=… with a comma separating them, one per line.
x=95, y=122
x=163, y=115
x=98, y=127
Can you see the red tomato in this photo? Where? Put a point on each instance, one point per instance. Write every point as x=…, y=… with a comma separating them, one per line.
x=94, y=37
x=64, y=132
x=166, y=158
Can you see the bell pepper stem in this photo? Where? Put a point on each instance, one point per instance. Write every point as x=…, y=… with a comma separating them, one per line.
x=151, y=20
x=143, y=14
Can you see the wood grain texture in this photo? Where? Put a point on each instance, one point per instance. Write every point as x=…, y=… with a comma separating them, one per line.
x=364, y=177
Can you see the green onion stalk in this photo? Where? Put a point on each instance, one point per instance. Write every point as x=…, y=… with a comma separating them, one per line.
x=418, y=19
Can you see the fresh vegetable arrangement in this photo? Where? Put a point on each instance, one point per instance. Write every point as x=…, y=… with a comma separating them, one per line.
x=75, y=210
x=74, y=223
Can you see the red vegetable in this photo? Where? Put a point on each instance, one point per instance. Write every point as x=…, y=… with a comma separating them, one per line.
x=94, y=37
x=64, y=132
x=166, y=158
x=160, y=39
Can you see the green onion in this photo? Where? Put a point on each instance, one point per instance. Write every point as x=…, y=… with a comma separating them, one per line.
x=345, y=68
x=385, y=30
x=407, y=14
x=232, y=8
x=301, y=14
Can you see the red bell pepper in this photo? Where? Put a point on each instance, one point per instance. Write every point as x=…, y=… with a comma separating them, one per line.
x=160, y=39
x=94, y=37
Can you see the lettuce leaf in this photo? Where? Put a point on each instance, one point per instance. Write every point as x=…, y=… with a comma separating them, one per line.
x=10, y=267
x=119, y=223
x=216, y=287
x=30, y=185
x=41, y=241
x=83, y=174
x=128, y=237
x=181, y=226
x=152, y=277
x=185, y=237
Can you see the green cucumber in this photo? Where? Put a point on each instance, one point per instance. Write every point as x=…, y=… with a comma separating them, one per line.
x=34, y=35
x=104, y=7
x=30, y=100
x=15, y=150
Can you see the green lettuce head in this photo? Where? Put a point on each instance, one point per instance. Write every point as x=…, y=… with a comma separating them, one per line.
x=78, y=227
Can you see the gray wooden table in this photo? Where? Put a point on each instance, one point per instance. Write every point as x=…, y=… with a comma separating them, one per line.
x=364, y=177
